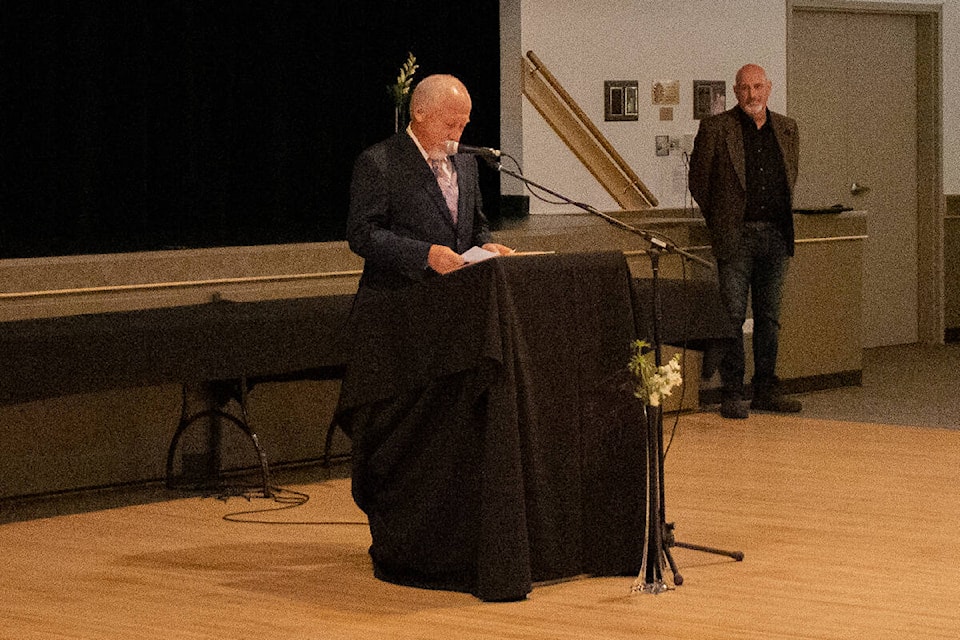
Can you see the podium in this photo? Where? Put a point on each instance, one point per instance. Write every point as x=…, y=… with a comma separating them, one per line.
x=496, y=440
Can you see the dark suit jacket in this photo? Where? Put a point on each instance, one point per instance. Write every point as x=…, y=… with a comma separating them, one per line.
x=397, y=211
x=718, y=176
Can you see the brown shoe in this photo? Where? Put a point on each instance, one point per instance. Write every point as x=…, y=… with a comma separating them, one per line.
x=733, y=407
x=776, y=402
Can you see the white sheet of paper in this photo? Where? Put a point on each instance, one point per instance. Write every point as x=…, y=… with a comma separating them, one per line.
x=478, y=254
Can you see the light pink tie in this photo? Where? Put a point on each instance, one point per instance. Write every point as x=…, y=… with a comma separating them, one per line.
x=448, y=185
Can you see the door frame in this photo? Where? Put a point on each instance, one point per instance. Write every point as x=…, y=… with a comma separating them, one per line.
x=930, y=198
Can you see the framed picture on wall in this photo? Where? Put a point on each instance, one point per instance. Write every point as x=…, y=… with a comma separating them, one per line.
x=709, y=98
x=662, y=145
x=620, y=100
x=665, y=92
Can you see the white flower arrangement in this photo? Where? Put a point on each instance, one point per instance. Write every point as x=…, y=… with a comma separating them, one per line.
x=653, y=383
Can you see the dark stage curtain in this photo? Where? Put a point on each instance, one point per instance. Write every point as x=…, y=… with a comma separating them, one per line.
x=129, y=125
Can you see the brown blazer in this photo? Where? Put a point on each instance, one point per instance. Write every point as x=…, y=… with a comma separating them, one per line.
x=718, y=176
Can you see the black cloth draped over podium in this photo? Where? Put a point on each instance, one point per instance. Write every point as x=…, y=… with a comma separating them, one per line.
x=496, y=440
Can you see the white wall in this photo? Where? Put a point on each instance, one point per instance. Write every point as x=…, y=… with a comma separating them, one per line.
x=583, y=44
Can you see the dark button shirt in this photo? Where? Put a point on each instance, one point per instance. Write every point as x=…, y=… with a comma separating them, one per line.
x=768, y=197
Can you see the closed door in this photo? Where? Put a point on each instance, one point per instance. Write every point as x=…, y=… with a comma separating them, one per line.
x=853, y=90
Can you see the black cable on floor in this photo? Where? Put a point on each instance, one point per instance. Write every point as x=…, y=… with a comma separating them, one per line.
x=286, y=499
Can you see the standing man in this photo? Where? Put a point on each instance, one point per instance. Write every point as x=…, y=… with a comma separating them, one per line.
x=413, y=208
x=742, y=173
x=413, y=211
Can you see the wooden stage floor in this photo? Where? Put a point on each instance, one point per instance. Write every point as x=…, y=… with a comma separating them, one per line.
x=850, y=530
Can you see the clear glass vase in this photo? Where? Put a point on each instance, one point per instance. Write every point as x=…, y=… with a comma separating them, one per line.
x=650, y=579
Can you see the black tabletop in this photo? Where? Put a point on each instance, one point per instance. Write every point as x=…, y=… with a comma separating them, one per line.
x=220, y=340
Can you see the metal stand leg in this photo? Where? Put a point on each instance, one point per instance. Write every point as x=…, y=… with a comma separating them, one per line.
x=216, y=413
x=328, y=443
x=661, y=537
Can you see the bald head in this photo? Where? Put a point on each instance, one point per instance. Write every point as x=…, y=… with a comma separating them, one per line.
x=752, y=70
x=439, y=110
x=433, y=89
x=752, y=89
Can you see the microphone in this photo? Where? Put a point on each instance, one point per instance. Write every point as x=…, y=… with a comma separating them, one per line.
x=454, y=147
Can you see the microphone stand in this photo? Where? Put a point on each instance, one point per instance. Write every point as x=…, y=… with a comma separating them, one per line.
x=661, y=538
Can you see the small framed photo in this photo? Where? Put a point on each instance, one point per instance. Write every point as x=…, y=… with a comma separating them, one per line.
x=620, y=99
x=665, y=92
x=663, y=145
x=709, y=98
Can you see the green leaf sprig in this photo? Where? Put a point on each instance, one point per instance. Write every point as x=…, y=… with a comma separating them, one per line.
x=400, y=91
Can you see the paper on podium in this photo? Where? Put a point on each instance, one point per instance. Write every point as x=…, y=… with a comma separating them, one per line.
x=477, y=254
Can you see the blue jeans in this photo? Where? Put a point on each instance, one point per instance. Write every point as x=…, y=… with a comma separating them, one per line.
x=758, y=271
